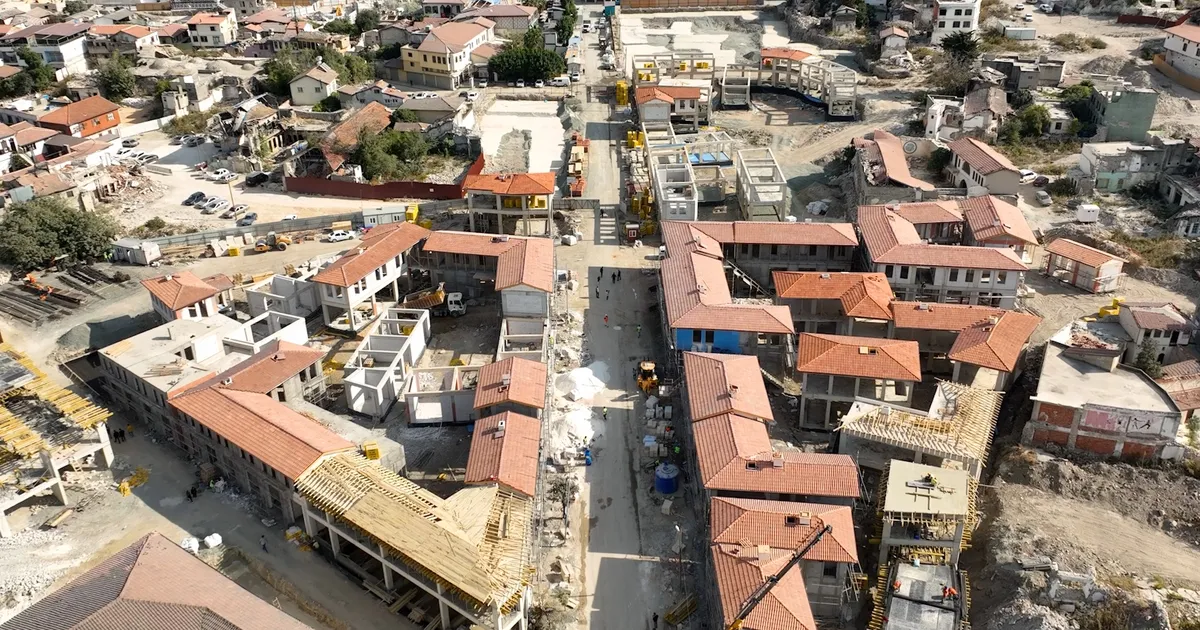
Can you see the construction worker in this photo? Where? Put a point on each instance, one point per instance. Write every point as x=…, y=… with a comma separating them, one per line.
x=604, y=412
x=639, y=327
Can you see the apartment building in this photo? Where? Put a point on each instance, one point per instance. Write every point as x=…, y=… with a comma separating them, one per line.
x=1161, y=325
x=1183, y=49
x=348, y=288
x=119, y=39
x=518, y=197
x=836, y=370
x=521, y=269
x=442, y=59
x=93, y=116
x=837, y=303
x=954, y=16
x=212, y=30
x=981, y=169
x=1124, y=111
x=925, y=272
x=182, y=295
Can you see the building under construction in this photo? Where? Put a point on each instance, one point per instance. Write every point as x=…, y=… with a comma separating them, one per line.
x=817, y=80
x=43, y=429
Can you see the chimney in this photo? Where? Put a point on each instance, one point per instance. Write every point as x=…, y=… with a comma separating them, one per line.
x=733, y=390
x=764, y=552
x=227, y=381
x=167, y=277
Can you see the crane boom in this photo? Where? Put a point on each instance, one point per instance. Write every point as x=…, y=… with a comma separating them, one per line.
x=762, y=591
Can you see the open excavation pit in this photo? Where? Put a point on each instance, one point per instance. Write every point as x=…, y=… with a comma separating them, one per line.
x=731, y=37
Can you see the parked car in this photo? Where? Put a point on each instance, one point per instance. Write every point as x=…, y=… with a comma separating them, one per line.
x=129, y=143
x=576, y=77
x=176, y=139
x=194, y=197
x=257, y=178
x=483, y=83
x=239, y=209
x=194, y=141
x=1028, y=17
x=539, y=84
x=587, y=27
x=1043, y=198
x=471, y=96
x=1041, y=180
x=203, y=201
x=123, y=152
x=1046, y=8
x=1027, y=175
x=249, y=219
x=148, y=158
x=520, y=83
x=220, y=206
x=289, y=217
x=227, y=177
x=339, y=235
x=218, y=174
x=229, y=214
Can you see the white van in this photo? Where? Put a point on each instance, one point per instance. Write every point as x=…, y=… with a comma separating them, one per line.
x=561, y=81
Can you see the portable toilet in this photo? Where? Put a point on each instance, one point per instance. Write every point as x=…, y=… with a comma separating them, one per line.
x=1087, y=213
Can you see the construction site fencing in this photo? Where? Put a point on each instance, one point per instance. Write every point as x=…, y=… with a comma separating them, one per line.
x=1153, y=20
x=385, y=190
x=258, y=229
x=576, y=203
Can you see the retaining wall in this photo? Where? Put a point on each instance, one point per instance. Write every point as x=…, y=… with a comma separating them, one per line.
x=258, y=229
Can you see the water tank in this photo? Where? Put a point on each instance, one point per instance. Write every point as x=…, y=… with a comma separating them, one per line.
x=666, y=478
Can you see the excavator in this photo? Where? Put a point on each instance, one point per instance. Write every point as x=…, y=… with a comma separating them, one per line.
x=762, y=591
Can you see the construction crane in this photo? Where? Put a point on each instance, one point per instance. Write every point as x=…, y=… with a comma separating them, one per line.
x=761, y=592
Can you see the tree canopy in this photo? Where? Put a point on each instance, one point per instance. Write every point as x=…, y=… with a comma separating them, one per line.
x=527, y=58
x=391, y=155
x=38, y=231
x=367, y=19
x=961, y=45
x=288, y=64
x=75, y=6
x=566, y=26
x=115, y=79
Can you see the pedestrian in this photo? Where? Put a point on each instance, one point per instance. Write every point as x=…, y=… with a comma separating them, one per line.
x=117, y=435
x=262, y=541
x=129, y=428
x=606, y=320
x=654, y=620
x=614, y=277
x=606, y=295
x=188, y=494
x=618, y=275
x=604, y=411
x=639, y=327
x=597, y=292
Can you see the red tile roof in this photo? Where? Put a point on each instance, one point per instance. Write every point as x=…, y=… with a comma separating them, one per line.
x=508, y=457
x=921, y=212
x=381, y=244
x=26, y=137
x=262, y=426
x=667, y=94
x=995, y=344
x=170, y=30
x=752, y=522
x=892, y=30
x=890, y=239
x=784, y=53
x=740, y=572
x=1181, y=381
x=861, y=357
x=342, y=139
x=866, y=295
x=895, y=164
x=262, y=373
x=1190, y=32
x=695, y=292
x=512, y=183
x=1157, y=316
x=725, y=383
x=207, y=18
x=767, y=233
x=520, y=261
x=75, y=113
x=980, y=156
x=179, y=290
x=1189, y=367
x=993, y=218
x=932, y=316
x=1088, y=256
x=734, y=453
x=450, y=37
x=151, y=584
x=526, y=383
x=7, y=71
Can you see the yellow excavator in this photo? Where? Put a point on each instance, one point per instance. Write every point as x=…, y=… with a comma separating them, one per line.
x=762, y=591
x=647, y=377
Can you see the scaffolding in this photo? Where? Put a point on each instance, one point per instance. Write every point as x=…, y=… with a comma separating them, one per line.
x=925, y=512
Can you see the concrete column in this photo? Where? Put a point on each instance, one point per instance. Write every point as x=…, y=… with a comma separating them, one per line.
x=388, y=580
x=956, y=549
x=104, y=456
x=310, y=527
x=885, y=542
x=803, y=397
x=957, y=367
x=524, y=214
x=57, y=488
x=849, y=325
x=333, y=538
x=396, y=286
x=470, y=219
x=444, y=610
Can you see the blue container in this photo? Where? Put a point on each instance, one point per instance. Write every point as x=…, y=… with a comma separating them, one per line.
x=666, y=478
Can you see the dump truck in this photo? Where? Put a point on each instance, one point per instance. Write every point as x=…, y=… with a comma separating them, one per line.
x=453, y=306
x=425, y=298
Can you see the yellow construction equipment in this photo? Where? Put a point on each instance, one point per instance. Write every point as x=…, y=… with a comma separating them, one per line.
x=1113, y=309
x=370, y=449
x=272, y=241
x=411, y=212
x=622, y=93
x=647, y=378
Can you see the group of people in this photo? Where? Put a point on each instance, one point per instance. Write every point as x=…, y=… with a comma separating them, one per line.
x=119, y=435
x=616, y=277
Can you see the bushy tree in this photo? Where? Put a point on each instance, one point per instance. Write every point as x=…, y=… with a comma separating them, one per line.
x=328, y=104
x=1147, y=361
x=961, y=45
x=566, y=26
x=287, y=64
x=75, y=6
x=41, y=74
x=115, y=79
x=37, y=231
x=525, y=63
x=339, y=26
x=366, y=20
x=391, y=155
x=405, y=115
x=533, y=38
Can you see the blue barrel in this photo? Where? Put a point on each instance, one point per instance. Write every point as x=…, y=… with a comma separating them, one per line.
x=666, y=478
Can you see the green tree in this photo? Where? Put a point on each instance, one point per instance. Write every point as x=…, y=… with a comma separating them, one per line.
x=115, y=79
x=938, y=160
x=37, y=231
x=1147, y=361
x=366, y=20
x=533, y=38
x=41, y=75
x=528, y=64
x=193, y=122
x=339, y=26
x=961, y=45
x=566, y=26
x=289, y=63
x=405, y=115
x=75, y=6
x=1034, y=119
x=328, y=104
x=390, y=155
x=540, y=5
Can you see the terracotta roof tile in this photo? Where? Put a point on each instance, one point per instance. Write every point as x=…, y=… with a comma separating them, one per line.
x=784, y=53
x=892, y=30
x=381, y=244
x=526, y=383
x=75, y=113
x=340, y=141
x=509, y=458
x=895, y=164
x=1188, y=31
x=736, y=521
x=890, y=239
x=862, y=357
x=7, y=71
x=667, y=94
x=866, y=295
x=922, y=212
x=725, y=383
x=767, y=233
x=450, y=37
x=512, y=184
x=152, y=584
x=992, y=218
x=995, y=344
x=740, y=572
x=262, y=373
x=1182, y=384
x=179, y=290
x=1157, y=316
x=26, y=137
x=980, y=156
x=520, y=261
x=1088, y=256
x=1190, y=367
x=319, y=72
x=262, y=426
x=207, y=18
x=734, y=453
x=932, y=316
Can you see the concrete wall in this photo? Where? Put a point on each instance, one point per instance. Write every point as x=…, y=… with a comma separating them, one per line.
x=967, y=284
x=521, y=302
x=1105, y=431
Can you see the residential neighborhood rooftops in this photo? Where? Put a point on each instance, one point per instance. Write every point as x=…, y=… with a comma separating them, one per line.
x=514, y=380
x=512, y=183
x=320, y=72
x=890, y=239
x=982, y=157
x=499, y=10
x=935, y=316
x=784, y=525
x=152, y=583
x=993, y=218
x=269, y=368
x=77, y=112
x=450, y=37
x=1187, y=30
x=725, y=383
x=207, y=18
x=924, y=212
x=179, y=290
x=740, y=572
x=865, y=295
x=859, y=357
x=1073, y=250
x=504, y=450
x=520, y=261
x=765, y=233
x=379, y=246
x=1157, y=316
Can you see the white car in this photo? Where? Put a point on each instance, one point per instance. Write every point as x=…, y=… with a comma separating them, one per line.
x=213, y=202
x=218, y=174
x=472, y=95
x=539, y=83
x=520, y=83
x=289, y=217
x=1027, y=175
x=123, y=152
x=227, y=177
x=1046, y=8
x=1028, y=17
x=339, y=235
x=576, y=77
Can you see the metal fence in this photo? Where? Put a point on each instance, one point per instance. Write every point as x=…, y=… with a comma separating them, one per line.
x=258, y=229
x=576, y=203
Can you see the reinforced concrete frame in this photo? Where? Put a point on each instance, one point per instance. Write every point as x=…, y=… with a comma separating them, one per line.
x=651, y=68
x=831, y=85
x=761, y=187
x=674, y=184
